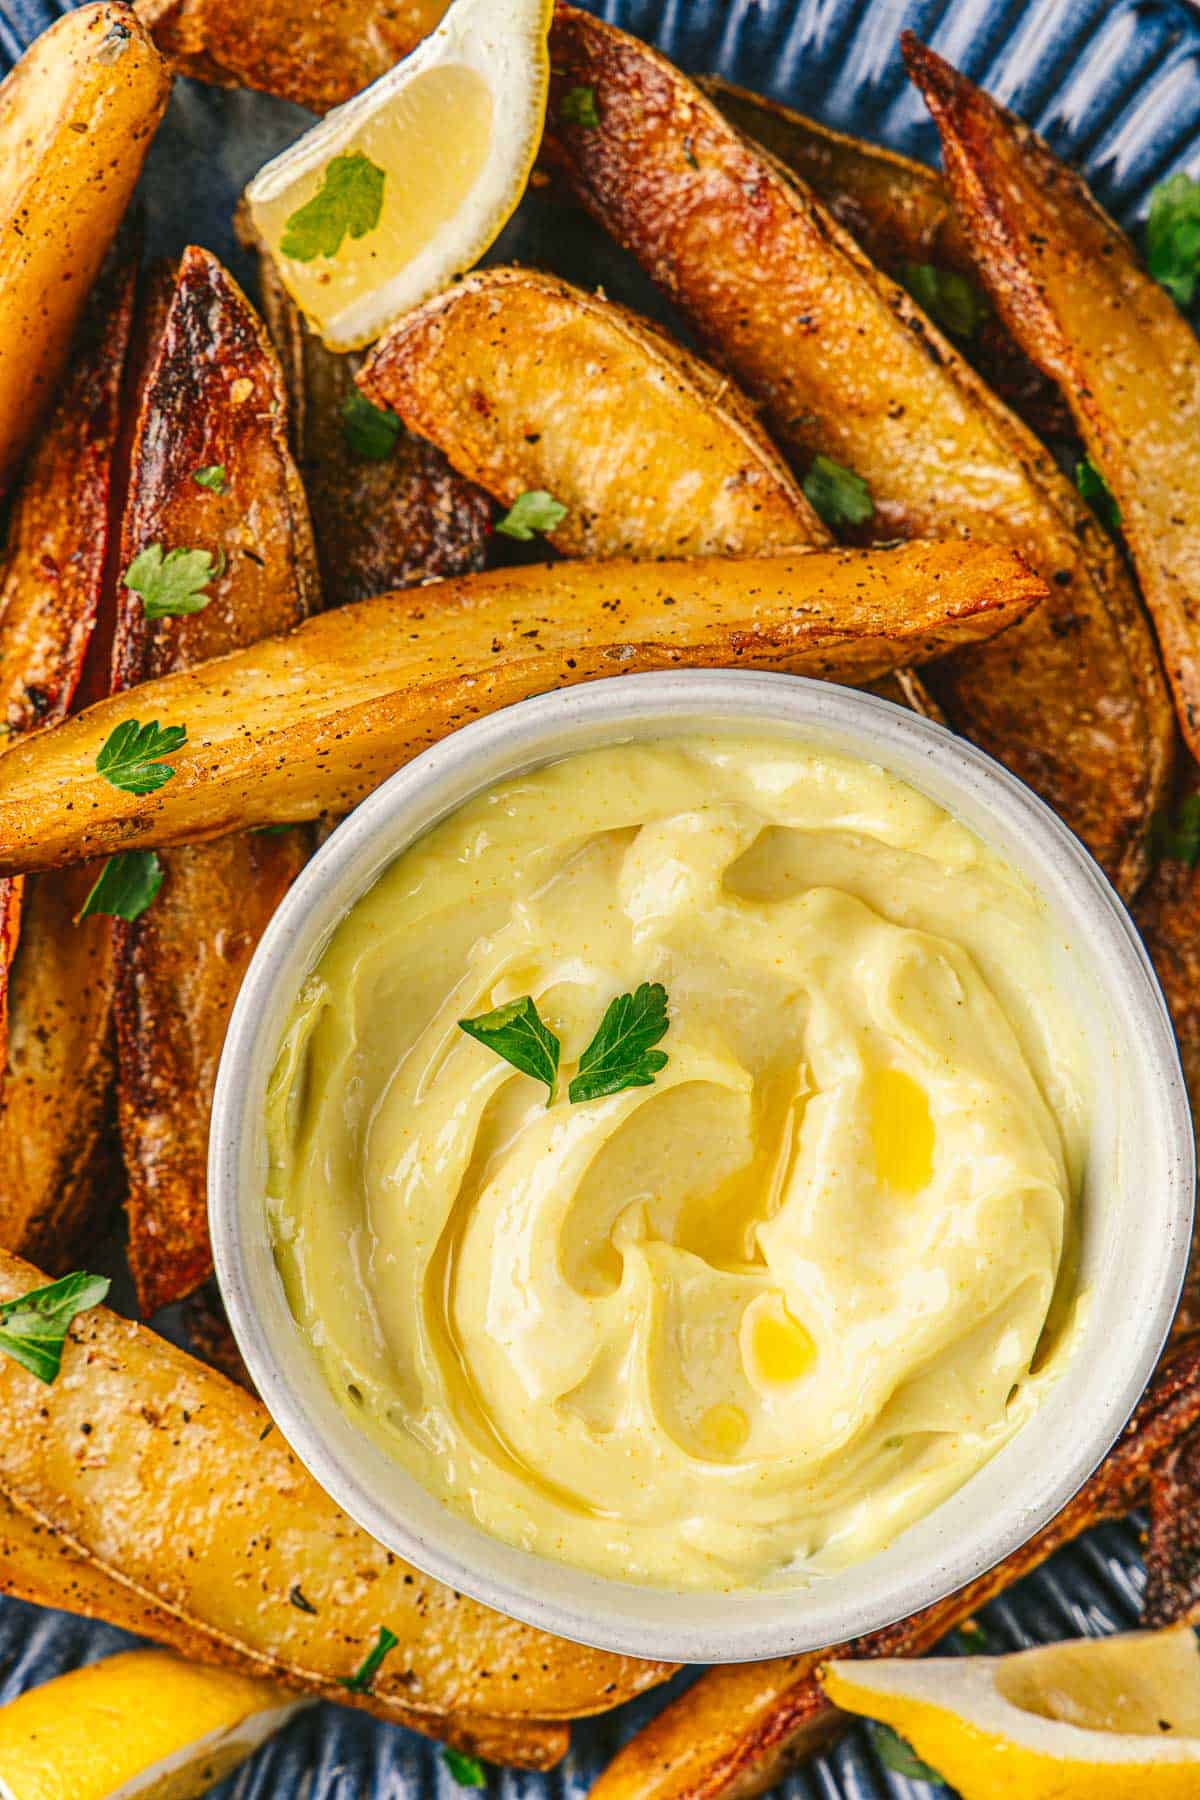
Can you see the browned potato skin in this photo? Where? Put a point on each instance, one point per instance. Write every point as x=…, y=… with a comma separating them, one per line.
x=527, y=383
x=844, y=363
x=741, y=1727
x=63, y=191
x=168, y=1478
x=1075, y=295
x=55, y=1150
x=311, y=722
x=212, y=394
x=315, y=54
x=37, y=1564
x=899, y=211
x=406, y=518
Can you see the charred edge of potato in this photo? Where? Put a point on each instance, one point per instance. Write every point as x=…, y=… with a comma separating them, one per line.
x=383, y=523
x=1075, y=294
x=736, y=1732
x=63, y=191
x=1172, y=1592
x=343, y=700
x=484, y=371
x=899, y=211
x=211, y=394
x=40, y=1565
x=1074, y=702
x=315, y=55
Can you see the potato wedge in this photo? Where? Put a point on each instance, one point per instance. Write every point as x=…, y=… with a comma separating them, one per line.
x=179, y=1489
x=317, y=55
x=846, y=365
x=77, y=114
x=310, y=722
x=212, y=397
x=56, y=1078
x=1172, y=1590
x=738, y=1730
x=900, y=212
x=1076, y=297
x=527, y=383
x=38, y=1566
x=380, y=521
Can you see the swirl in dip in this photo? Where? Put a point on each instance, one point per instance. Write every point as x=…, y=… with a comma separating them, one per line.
x=749, y=1321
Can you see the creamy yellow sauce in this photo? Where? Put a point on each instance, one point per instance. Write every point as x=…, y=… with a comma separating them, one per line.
x=750, y=1321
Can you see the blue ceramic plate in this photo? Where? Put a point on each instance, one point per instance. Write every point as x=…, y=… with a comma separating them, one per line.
x=1115, y=84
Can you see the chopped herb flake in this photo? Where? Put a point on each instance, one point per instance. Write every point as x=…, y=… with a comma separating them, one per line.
x=468, y=1771
x=578, y=107
x=1098, y=494
x=530, y=513
x=370, y=431
x=837, y=495
x=348, y=203
x=173, y=585
x=951, y=301
x=1173, y=237
x=621, y=1055
x=516, y=1033
x=360, y=1682
x=33, y=1328
x=128, y=755
x=213, y=478
x=125, y=886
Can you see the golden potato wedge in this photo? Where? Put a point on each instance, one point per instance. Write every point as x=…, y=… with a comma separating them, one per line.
x=37, y=1565
x=77, y=115
x=380, y=521
x=845, y=365
x=317, y=55
x=741, y=1727
x=310, y=722
x=900, y=212
x=212, y=397
x=169, y=1479
x=527, y=383
x=1076, y=297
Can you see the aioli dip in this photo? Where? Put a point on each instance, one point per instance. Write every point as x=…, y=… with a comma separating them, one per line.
x=750, y=1321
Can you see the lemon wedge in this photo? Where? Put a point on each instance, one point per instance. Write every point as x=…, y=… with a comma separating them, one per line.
x=405, y=186
x=1114, y=1718
x=142, y=1725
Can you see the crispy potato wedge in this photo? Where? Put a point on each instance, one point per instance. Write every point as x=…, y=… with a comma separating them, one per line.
x=37, y=1565
x=317, y=55
x=212, y=395
x=76, y=118
x=56, y=1076
x=1172, y=1591
x=738, y=1730
x=900, y=212
x=527, y=383
x=310, y=722
x=379, y=522
x=168, y=1478
x=1076, y=297
x=846, y=365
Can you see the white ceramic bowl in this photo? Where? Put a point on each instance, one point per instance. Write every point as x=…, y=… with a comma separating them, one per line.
x=1137, y=1208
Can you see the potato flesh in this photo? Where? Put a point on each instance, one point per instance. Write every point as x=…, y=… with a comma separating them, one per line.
x=313, y=721
x=529, y=384
x=63, y=191
x=844, y=364
x=1075, y=296
x=181, y=1490
x=738, y=1729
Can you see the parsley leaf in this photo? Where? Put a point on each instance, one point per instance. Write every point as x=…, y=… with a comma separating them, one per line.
x=1098, y=494
x=370, y=431
x=530, y=513
x=951, y=301
x=1177, y=839
x=33, y=1328
x=173, y=585
x=347, y=204
x=973, y=1639
x=1173, y=237
x=466, y=1770
x=516, y=1033
x=213, y=478
x=836, y=494
x=125, y=886
x=127, y=756
x=364, y=1675
x=900, y=1757
x=578, y=107
x=621, y=1055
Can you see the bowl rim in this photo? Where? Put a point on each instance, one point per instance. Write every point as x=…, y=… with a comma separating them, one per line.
x=649, y=1621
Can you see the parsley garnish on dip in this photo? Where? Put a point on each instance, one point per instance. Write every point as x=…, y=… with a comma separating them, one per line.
x=675, y=1159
